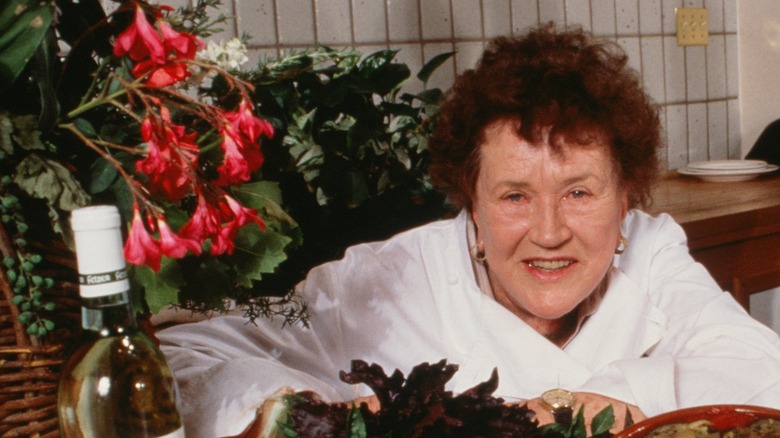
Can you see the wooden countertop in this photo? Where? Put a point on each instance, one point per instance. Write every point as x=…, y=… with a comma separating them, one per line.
x=713, y=213
x=733, y=228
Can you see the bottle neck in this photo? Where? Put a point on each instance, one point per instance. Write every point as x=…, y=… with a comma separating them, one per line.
x=108, y=315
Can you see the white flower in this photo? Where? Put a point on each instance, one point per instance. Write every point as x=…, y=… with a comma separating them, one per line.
x=228, y=56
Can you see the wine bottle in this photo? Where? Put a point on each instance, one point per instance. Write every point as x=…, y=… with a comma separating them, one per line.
x=117, y=382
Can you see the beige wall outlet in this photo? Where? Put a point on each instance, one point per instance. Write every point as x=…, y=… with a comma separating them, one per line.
x=692, y=29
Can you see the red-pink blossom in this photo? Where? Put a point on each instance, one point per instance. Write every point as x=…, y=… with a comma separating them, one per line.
x=243, y=215
x=171, y=156
x=183, y=43
x=140, y=248
x=174, y=246
x=245, y=121
x=161, y=75
x=204, y=222
x=235, y=167
x=140, y=41
x=224, y=241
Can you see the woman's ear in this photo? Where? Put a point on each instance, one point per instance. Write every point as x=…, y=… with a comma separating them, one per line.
x=623, y=205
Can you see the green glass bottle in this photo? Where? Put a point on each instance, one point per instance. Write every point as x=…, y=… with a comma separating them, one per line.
x=117, y=382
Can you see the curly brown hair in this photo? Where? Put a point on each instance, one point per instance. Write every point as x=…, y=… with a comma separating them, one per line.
x=579, y=87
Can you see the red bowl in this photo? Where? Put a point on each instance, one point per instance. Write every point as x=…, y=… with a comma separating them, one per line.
x=722, y=417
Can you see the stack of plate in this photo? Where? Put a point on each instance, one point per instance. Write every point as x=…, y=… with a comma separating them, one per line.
x=727, y=170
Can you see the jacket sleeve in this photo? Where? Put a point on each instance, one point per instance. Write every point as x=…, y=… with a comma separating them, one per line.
x=711, y=351
x=226, y=367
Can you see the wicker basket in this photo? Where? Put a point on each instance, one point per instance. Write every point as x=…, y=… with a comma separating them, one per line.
x=29, y=367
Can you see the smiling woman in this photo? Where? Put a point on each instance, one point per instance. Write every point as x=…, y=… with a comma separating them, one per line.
x=548, y=274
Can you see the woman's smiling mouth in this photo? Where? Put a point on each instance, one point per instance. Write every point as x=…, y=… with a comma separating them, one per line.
x=549, y=265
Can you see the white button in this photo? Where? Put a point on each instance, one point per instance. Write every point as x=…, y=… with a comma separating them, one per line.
x=452, y=278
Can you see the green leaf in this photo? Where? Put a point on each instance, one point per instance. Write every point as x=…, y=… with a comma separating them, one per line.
x=85, y=127
x=23, y=24
x=26, y=132
x=103, y=174
x=602, y=422
x=6, y=132
x=425, y=73
x=258, y=252
x=43, y=178
x=356, y=424
x=161, y=289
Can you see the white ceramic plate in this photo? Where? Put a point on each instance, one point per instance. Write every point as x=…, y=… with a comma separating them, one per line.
x=727, y=165
x=728, y=175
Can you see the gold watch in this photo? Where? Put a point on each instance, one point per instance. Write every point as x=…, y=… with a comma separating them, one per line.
x=560, y=402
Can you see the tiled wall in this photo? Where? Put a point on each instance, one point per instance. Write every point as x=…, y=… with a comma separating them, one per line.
x=696, y=86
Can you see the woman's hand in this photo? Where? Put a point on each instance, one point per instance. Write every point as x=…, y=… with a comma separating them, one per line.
x=593, y=403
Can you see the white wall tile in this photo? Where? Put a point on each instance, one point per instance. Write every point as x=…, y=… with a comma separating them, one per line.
x=295, y=19
x=578, y=13
x=690, y=83
x=632, y=49
x=436, y=19
x=603, y=17
x=715, y=20
x=693, y=3
x=525, y=14
x=497, y=18
x=674, y=71
x=403, y=17
x=627, y=17
x=735, y=133
x=677, y=136
x=717, y=121
x=730, y=15
x=668, y=16
x=467, y=19
x=696, y=72
x=468, y=53
x=716, y=67
x=650, y=17
x=369, y=21
x=732, y=70
x=551, y=10
x=698, y=149
x=334, y=22
x=652, y=69
x=256, y=18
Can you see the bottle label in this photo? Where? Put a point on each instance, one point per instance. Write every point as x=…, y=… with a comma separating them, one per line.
x=107, y=277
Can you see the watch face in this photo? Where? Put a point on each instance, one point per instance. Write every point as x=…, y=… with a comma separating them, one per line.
x=558, y=398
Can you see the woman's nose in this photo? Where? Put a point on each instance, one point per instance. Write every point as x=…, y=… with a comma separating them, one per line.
x=549, y=228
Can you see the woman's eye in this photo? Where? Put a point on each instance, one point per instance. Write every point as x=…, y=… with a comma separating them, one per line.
x=514, y=197
x=577, y=194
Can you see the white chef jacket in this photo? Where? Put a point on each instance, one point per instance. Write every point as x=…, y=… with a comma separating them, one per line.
x=664, y=336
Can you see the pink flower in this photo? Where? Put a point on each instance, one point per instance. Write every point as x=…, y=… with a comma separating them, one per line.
x=161, y=75
x=241, y=134
x=185, y=44
x=224, y=241
x=171, y=156
x=243, y=215
x=204, y=222
x=245, y=121
x=140, y=249
x=174, y=246
x=140, y=41
x=235, y=167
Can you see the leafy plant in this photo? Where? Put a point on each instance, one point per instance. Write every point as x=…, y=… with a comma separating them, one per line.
x=117, y=108
x=351, y=151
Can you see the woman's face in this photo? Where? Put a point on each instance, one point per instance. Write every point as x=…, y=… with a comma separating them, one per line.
x=549, y=222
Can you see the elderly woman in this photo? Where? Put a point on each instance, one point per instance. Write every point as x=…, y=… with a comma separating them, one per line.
x=549, y=273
